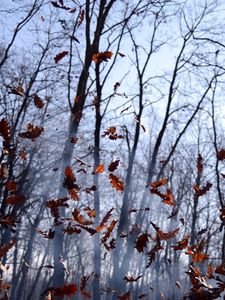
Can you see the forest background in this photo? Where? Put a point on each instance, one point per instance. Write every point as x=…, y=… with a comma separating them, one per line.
x=112, y=159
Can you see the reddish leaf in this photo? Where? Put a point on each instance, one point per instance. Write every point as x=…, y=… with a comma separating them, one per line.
x=159, y=183
x=32, y=133
x=104, y=220
x=59, y=56
x=141, y=242
x=5, y=129
x=102, y=56
x=69, y=183
x=5, y=248
x=200, y=164
x=23, y=155
x=15, y=199
x=90, y=212
x=111, y=132
x=38, y=102
x=152, y=253
x=109, y=230
x=113, y=165
x=201, y=191
x=3, y=171
x=11, y=185
x=71, y=230
x=79, y=218
x=81, y=17
x=168, y=198
x=221, y=154
x=165, y=235
x=196, y=252
x=67, y=290
x=73, y=140
x=54, y=207
x=125, y=296
x=83, y=285
x=116, y=182
x=181, y=244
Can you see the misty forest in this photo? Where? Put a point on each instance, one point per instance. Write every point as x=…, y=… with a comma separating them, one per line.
x=112, y=161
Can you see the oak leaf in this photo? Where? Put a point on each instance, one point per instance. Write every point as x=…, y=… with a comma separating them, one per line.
x=116, y=182
x=60, y=56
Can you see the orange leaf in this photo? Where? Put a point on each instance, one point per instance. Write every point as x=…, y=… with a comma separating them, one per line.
x=104, y=220
x=99, y=169
x=67, y=290
x=165, y=235
x=159, y=183
x=102, y=56
x=116, y=182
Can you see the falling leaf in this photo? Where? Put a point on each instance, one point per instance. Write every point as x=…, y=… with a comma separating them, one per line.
x=104, y=220
x=113, y=165
x=15, y=199
x=89, y=191
x=79, y=218
x=6, y=247
x=83, y=285
x=73, y=140
x=17, y=91
x=32, y=133
x=69, y=183
x=141, y=242
x=90, y=212
x=47, y=234
x=5, y=129
x=38, y=102
x=181, y=244
x=111, y=132
x=67, y=290
x=23, y=155
x=59, y=56
x=121, y=54
x=178, y=284
x=109, y=230
x=116, y=85
x=200, y=164
x=116, y=182
x=11, y=185
x=159, y=183
x=221, y=154
x=165, y=235
x=131, y=278
x=201, y=191
x=81, y=17
x=102, y=56
x=168, y=198
x=152, y=253
x=54, y=208
x=125, y=296
x=99, y=169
